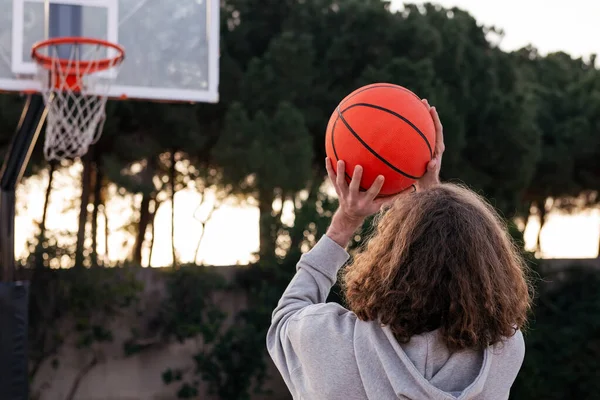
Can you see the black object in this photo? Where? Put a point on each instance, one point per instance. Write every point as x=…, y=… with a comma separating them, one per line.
x=14, y=377
x=28, y=130
x=14, y=296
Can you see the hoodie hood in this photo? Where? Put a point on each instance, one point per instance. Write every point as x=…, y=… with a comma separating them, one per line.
x=424, y=368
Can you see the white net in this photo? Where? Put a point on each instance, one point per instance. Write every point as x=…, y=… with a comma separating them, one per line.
x=75, y=93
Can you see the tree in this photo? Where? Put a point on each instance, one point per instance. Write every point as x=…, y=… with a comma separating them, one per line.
x=563, y=346
x=173, y=189
x=51, y=170
x=269, y=158
x=86, y=191
x=98, y=196
x=334, y=47
x=265, y=146
x=139, y=145
x=567, y=95
x=488, y=115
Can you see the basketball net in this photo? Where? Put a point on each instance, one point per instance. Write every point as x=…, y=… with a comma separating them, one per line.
x=75, y=93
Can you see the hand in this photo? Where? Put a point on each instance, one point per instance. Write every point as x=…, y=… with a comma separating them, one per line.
x=355, y=205
x=432, y=175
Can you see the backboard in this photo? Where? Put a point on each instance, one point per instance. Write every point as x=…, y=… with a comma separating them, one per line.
x=172, y=46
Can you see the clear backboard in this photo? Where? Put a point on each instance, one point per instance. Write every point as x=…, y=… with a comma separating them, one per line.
x=171, y=46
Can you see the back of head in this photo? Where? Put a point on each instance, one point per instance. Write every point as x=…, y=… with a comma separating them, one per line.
x=441, y=259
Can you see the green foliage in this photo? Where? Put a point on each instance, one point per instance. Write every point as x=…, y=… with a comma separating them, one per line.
x=485, y=100
x=190, y=309
x=268, y=157
x=567, y=95
x=171, y=375
x=77, y=304
x=187, y=391
x=563, y=342
x=236, y=363
x=519, y=127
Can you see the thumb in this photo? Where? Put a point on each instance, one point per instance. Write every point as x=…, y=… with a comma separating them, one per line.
x=432, y=164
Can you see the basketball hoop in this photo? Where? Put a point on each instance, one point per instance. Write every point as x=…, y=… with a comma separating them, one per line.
x=76, y=74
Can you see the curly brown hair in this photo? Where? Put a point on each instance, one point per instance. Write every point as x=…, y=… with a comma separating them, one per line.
x=441, y=259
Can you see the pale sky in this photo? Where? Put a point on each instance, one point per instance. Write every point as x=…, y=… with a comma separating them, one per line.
x=232, y=233
x=550, y=25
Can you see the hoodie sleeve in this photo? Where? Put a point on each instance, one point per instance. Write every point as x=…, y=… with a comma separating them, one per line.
x=316, y=273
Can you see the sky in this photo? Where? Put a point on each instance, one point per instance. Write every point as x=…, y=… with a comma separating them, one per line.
x=232, y=233
x=550, y=25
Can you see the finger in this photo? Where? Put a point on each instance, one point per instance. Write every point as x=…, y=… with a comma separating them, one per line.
x=424, y=101
x=431, y=165
x=375, y=187
x=341, y=177
x=439, y=132
x=356, y=178
x=331, y=173
x=434, y=167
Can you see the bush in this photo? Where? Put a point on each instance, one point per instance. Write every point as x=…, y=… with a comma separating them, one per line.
x=562, y=357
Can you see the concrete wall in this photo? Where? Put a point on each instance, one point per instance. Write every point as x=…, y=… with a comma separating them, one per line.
x=556, y=264
x=139, y=377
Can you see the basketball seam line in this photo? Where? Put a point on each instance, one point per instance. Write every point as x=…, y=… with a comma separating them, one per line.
x=348, y=176
x=395, y=114
x=376, y=86
x=386, y=162
x=335, y=151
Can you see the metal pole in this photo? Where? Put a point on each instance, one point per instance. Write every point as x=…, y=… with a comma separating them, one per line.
x=14, y=296
x=14, y=373
x=17, y=158
x=7, y=234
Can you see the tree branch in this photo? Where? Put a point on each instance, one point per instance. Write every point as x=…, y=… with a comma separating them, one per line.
x=216, y=206
x=80, y=377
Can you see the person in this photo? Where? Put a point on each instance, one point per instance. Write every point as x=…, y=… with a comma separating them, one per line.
x=437, y=298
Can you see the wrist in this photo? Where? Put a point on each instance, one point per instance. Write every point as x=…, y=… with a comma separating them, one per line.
x=343, y=227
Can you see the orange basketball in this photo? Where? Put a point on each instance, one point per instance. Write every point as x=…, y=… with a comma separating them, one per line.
x=387, y=130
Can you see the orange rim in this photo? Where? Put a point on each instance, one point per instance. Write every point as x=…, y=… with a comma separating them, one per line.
x=74, y=67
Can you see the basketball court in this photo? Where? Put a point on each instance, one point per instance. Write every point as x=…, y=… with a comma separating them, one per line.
x=68, y=58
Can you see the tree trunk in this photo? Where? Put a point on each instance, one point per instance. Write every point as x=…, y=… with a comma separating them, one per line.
x=143, y=222
x=266, y=221
x=598, y=246
x=215, y=207
x=172, y=176
x=83, y=214
x=97, y=202
x=79, y=377
x=297, y=232
x=526, y=217
x=47, y=200
x=106, y=232
x=542, y=215
x=152, y=218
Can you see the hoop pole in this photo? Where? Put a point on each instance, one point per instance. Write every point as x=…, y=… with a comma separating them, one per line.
x=14, y=296
x=29, y=127
x=14, y=374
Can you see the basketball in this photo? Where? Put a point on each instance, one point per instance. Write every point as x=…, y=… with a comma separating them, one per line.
x=387, y=130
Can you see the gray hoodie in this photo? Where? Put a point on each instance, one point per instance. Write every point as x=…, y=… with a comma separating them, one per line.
x=325, y=353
